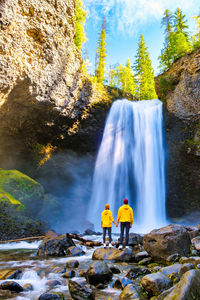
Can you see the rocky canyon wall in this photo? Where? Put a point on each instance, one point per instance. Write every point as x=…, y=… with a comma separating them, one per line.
x=179, y=88
x=44, y=92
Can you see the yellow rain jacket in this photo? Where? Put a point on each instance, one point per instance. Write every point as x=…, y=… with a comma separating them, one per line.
x=125, y=214
x=106, y=218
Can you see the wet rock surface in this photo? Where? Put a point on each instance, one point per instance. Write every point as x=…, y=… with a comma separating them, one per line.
x=11, y=286
x=114, y=254
x=163, y=242
x=155, y=283
x=98, y=272
x=56, y=246
x=79, y=290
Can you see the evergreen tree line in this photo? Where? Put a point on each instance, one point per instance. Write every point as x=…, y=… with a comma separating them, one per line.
x=178, y=41
x=138, y=79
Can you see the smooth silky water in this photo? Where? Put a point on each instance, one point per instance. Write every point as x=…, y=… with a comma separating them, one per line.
x=131, y=164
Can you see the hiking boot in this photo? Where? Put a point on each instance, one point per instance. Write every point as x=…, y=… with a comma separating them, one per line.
x=104, y=245
x=120, y=247
x=110, y=245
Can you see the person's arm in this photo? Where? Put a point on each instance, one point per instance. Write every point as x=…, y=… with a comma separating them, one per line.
x=131, y=212
x=118, y=217
x=112, y=220
x=101, y=221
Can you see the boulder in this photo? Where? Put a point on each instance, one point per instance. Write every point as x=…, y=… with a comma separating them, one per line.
x=89, y=232
x=155, y=283
x=135, y=272
x=9, y=274
x=141, y=255
x=175, y=269
x=98, y=272
x=56, y=246
x=185, y=268
x=187, y=288
x=114, y=269
x=11, y=286
x=125, y=255
x=129, y=293
x=75, y=251
x=163, y=242
x=195, y=260
x=69, y=274
x=53, y=283
x=15, y=275
x=193, y=231
x=80, y=291
x=51, y=296
x=72, y=263
x=196, y=243
x=165, y=293
x=120, y=283
x=173, y=258
x=134, y=239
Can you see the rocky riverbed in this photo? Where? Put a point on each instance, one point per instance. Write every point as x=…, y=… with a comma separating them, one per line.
x=164, y=264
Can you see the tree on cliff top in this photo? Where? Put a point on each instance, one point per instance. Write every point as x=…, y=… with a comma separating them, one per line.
x=144, y=73
x=176, y=38
x=125, y=78
x=196, y=37
x=101, y=54
x=80, y=14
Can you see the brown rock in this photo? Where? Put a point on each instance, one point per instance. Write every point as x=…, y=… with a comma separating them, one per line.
x=114, y=254
x=163, y=242
x=155, y=283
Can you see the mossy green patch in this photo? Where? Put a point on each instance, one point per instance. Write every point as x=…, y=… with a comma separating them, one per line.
x=20, y=189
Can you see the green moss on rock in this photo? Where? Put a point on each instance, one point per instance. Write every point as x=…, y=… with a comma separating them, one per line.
x=21, y=190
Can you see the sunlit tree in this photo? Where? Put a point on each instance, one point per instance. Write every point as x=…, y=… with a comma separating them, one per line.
x=101, y=55
x=81, y=15
x=144, y=73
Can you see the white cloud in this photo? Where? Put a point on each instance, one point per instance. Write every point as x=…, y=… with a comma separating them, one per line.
x=127, y=16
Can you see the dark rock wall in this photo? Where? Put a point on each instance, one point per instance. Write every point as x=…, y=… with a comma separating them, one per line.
x=179, y=88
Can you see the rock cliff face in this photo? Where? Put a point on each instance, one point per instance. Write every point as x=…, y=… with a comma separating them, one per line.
x=44, y=92
x=179, y=88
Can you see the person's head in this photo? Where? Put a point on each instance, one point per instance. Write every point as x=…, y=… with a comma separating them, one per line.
x=107, y=206
x=125, y=201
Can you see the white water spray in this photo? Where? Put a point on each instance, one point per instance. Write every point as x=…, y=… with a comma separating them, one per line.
x=131, y=164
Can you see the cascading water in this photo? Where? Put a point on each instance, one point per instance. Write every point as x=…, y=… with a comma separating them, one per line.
x=131, y=164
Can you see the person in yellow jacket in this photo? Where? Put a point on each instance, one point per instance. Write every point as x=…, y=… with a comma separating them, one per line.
x=106, y=224
x=125, y=217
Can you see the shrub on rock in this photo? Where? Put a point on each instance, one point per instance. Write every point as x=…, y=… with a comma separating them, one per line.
x=163, y=242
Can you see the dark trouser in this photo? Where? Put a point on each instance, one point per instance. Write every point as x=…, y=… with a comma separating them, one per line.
x=122, y=226
x=109, y=234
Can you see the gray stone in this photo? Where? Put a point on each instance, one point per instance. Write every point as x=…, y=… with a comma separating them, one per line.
x=136, y=271
x=125, y=255
x=129, y=292
x=72, y=263
x=51, y=296
x=196, y=243
x=120, y=283
x=191, y=260
x=98, y=272
x=75, y=251
x=171, y=269
x=186, y=267
x=163, y=242
x=141, y=255
x=80, y=291
x=187, y=288
x=155, y=283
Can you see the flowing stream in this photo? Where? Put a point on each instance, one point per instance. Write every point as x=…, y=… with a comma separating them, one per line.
x=131, y=164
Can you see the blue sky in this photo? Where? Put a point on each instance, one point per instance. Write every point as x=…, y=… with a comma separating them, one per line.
x=126, y=20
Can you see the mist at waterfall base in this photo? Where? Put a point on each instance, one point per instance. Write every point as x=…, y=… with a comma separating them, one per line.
x=131, y=164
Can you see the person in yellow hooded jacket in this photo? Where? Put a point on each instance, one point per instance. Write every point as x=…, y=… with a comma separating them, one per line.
x=106, y=224
x=125, y=217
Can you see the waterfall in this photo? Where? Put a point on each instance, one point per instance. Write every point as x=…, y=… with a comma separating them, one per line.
x=131, y=164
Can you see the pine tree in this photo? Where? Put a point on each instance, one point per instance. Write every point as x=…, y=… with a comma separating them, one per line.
x=176, y=38
x=101, y=54
x=125, y=78
x=180, y=23
x=80, y=14
x=111, y=77
x=144, y=73
x=165, y=58
x=196, y=37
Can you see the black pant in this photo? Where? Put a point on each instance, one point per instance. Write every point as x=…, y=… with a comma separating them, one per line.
x=109, y=234
x=122, y=226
